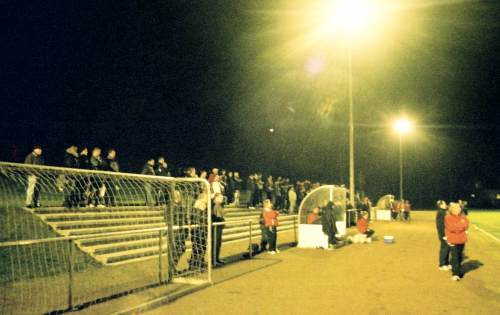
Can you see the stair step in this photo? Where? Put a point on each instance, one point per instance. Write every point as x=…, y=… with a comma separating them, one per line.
x=109, y=229
x=70, y=225
x=53, y=217
x=116, y=257
x=49, y=210
x=129, y=254
x=90, y=242
x=123, y=246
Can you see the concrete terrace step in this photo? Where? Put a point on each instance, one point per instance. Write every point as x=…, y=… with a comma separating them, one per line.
x=130, y=254
x=102, y=240
x=71, y=225
x=152, y=250
x=100, y=215
x=49, y=210
x=135, y=244
x=108, y=229
x=128, y=247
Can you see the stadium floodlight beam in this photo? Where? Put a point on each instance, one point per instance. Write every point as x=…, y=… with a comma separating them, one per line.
x=351, y=18
x=402, y=126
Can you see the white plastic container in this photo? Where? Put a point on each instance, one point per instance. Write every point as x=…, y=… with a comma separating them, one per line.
x=388, y=239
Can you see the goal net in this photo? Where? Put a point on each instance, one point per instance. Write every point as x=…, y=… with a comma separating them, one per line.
x=70, y=238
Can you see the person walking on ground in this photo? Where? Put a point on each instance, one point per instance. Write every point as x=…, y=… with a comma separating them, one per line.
x=33, y=188
x=444, y=248
x=217, y=217
x=271, y=224
x=455, y=228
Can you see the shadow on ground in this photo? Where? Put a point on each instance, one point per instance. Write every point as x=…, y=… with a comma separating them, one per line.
x=471, y=265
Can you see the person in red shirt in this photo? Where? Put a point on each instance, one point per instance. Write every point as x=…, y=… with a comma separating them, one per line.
x=362, y=225
x=313, y=217
x=455, y=228
x=271, y=224
x=406, y=210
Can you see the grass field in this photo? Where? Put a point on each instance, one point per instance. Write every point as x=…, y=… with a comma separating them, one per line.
x=488, y=220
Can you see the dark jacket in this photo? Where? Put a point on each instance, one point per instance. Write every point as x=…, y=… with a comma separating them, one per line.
x=111, y=165
x=84, y=162
x=162, y=171
x=237, y=183
x=329, y=219
x=96, y=164
x=71, y=160
x=440, y=214
x=32, y=158
x=148, y=170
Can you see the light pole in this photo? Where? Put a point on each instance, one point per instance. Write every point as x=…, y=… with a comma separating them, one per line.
x=352, y=17
x=402, y=127
x=348, y=20
x=351, y=132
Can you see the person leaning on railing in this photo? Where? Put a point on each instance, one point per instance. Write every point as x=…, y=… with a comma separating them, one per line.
x=33, y=188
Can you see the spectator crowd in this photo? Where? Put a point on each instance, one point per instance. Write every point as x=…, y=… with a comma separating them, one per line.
x=283, y=194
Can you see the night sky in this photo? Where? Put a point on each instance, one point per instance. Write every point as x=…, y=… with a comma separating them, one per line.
x=202, y=82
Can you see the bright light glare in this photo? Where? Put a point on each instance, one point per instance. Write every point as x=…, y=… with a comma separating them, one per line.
x=403, y=126
x=351, y=17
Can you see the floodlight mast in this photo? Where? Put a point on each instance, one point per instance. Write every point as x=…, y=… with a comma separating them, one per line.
x=402, y=127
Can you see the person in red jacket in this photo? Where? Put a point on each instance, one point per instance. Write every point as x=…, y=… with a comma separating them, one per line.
x=271, y=224
x=362, y=225
x=313, y=217
x=455, y=228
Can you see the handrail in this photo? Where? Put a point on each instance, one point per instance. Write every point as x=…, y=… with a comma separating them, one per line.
x=85, y=171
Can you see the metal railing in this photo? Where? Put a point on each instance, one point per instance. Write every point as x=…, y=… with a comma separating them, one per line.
x=73, y=301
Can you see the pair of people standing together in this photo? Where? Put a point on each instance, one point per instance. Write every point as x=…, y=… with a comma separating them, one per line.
x=452, y=227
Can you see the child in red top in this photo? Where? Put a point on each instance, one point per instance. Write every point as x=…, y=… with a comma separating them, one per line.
x=313, y=217
x=271, y=223
x=362, y=225
x=455, y=227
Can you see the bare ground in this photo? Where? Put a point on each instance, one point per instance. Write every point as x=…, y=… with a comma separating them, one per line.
x=377, y=278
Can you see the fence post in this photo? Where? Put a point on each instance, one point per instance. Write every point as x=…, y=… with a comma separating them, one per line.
x=70, y=274
x=250, y=254
x=295, y=228
x=214, y=241
x=160, y=264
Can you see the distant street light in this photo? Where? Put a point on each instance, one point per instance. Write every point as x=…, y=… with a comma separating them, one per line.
x=402, y=127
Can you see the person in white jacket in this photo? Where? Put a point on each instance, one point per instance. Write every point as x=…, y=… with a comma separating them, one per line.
x=216, y=187
x=292, y=200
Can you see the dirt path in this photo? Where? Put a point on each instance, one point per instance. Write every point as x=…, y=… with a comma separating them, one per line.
x=377, y=278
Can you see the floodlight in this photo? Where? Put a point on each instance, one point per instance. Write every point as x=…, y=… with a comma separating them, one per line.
x=403, y=126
